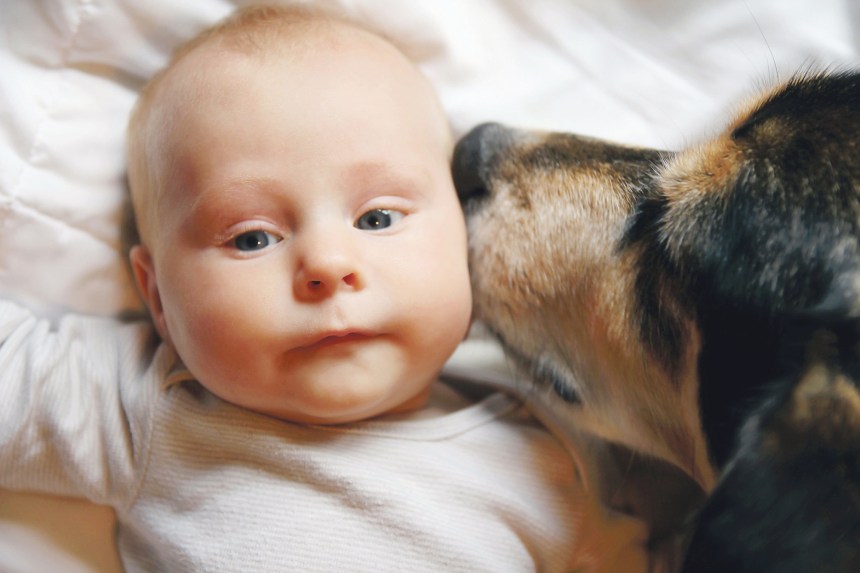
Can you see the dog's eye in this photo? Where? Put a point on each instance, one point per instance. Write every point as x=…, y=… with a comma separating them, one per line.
x=564, y=391
x=547, y=375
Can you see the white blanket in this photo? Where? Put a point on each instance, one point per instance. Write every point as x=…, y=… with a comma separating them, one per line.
x=662, y=73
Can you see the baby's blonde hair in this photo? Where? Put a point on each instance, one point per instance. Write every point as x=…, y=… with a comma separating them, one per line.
x=253, y=30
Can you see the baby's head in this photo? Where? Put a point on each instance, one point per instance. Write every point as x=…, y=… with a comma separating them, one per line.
x=302, y=247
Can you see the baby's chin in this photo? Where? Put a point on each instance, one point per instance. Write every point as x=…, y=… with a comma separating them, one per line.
x=331, y=405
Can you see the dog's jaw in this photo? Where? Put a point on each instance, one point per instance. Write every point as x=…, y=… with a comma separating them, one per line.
x=629, y=398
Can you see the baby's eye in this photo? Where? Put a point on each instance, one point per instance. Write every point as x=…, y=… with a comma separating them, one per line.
x=255, y=240
x=377, y=219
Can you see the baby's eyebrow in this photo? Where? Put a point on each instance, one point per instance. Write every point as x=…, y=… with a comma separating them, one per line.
x=366, y=169
x=237, y=192
x=382, y=173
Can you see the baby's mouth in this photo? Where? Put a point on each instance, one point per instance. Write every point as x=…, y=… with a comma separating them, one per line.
x=335, y=339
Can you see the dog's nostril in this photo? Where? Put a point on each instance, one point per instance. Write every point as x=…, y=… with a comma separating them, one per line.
x=474, y=195
x=473, y=156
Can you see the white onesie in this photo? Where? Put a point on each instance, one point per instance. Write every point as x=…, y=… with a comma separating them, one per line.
x=98, y=409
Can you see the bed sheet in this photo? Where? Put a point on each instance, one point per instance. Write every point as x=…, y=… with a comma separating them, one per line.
x=661, y=73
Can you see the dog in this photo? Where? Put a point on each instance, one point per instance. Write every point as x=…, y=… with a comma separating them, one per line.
x=699, y=306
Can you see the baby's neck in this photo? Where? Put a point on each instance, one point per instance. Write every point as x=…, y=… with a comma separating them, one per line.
x=440, y=399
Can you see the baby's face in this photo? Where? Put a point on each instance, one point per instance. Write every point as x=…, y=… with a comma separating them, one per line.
x=310, y=255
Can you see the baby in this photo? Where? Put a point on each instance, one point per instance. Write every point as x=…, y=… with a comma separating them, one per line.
x=303, y=249
x=303, y=258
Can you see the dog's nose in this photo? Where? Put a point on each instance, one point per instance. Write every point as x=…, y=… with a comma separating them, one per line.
x=475, y=156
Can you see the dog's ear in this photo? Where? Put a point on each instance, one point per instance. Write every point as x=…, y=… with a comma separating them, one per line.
x=767, y=216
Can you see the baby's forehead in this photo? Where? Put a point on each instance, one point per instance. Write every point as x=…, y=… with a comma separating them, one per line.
x=216, y=71
x=213, y=62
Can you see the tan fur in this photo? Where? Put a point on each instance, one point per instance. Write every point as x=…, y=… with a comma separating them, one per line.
x=824, y=408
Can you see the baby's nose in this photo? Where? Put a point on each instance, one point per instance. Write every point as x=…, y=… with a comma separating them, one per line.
x=326, y=266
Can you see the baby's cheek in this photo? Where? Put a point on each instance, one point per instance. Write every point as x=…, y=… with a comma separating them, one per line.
x=199, y=329
x=444, y=315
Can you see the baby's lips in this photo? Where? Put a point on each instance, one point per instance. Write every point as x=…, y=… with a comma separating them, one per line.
x=334, y=338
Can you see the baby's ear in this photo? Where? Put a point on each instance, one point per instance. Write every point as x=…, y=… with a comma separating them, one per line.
x=144, y=276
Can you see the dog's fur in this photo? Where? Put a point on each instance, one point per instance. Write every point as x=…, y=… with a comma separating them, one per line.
x=701, y=307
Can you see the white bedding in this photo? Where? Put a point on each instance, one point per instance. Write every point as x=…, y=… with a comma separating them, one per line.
x=651, y=72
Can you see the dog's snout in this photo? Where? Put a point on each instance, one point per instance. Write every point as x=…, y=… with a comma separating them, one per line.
x=474, y=156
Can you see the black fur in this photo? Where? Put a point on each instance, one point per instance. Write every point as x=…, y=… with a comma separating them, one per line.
x=789, y=499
